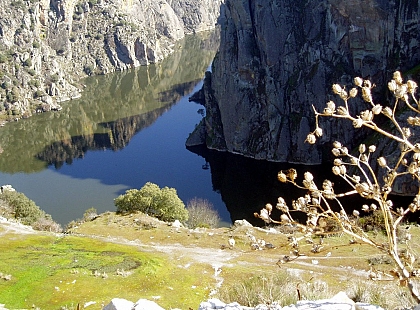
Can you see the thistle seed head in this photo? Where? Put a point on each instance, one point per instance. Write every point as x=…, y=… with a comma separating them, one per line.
x=382, y=162
x=353, y=92
x=311, y=138
x=342, y=111
x=366, y=94
x=281, y=176
x=358, y=81
x=358, y=122
x=392, y=86
x=336, y=89
x=397, y=77
x=377, y=109
x=411, y=85
x=308, y=176
x=387, y=111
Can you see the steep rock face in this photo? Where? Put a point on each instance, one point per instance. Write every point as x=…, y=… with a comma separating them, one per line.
x=46, y=46
x=277, y=58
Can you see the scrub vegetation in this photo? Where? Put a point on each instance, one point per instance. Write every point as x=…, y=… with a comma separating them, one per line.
x=370, y=175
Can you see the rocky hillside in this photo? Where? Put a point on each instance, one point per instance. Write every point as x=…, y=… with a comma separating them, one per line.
x=46, y=47
x=277, y=58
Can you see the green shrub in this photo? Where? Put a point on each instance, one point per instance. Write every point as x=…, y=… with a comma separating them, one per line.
x=202, y=214
x=3, y=58
x=25, y=209
x=163, y=204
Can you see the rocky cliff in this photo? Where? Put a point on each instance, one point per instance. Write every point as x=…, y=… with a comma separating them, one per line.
x=278, y=57
x=47, y=46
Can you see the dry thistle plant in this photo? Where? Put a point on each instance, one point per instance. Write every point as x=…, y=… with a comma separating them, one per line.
x=323, y=204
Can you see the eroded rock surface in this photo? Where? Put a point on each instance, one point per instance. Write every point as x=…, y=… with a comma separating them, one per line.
x=278, y=58
x=46, y=47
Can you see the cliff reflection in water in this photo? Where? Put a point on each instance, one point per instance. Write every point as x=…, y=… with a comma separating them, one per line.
x=118, y=136
x=112, y=109
x=246, y=185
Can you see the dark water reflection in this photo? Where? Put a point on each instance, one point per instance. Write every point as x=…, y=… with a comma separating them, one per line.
x=246, y=185
x=129, y=128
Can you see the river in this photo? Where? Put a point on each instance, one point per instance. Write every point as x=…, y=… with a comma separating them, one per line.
x=128, y=128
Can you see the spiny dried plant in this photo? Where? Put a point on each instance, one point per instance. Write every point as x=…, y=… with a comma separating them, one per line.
x=324, y=204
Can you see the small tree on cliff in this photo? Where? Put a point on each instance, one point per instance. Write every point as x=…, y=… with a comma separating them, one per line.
x=163, y=204
x=365, y=181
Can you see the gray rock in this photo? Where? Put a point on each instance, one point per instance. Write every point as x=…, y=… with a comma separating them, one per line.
x=54, y=45
x=277, y=58
x=119, y=304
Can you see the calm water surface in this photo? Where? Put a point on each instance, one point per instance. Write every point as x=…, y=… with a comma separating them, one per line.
x=128, y=128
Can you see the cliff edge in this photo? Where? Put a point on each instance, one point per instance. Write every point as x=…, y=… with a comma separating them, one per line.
x=278, y=58
x=47, y=46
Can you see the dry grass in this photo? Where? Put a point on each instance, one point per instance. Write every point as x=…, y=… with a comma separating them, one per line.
x=181, y=258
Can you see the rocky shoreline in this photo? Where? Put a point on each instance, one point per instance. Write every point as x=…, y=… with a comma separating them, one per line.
x=46, y=49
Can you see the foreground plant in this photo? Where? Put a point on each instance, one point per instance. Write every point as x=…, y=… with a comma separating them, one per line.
x=323, y=205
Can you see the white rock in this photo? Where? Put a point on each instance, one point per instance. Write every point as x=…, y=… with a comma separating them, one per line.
x=119, y=304
x=363, y=306
x=338, y=302
x=242, y=223
x=177, y=224
x=144, y=304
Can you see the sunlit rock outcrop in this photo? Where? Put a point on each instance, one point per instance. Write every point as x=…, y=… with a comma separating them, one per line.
x=46, y=47
x=278, y=58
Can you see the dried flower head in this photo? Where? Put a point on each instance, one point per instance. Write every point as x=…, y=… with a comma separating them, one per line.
x=362, y=148
x=336, y=152
x=358, y=122
x=327, y=185
x=281, y=205
x=281, y=176
x=353, y=92
x=358, y=81
x=382, y=162
x=336, y=89
x=406, y=132
x=377, y=109
x=263, y=215
x=342, y=111
x=411, y=85
x=356, y=213
x=387, y=112
x=366, y=94
x=397, y=77
x=292, y=174
x=392, y=86
x=318, y=132
x=366, y=115
x=308, y=176
x=372, y=148
x=311, y=138
x=365, y=208
x=269, y=208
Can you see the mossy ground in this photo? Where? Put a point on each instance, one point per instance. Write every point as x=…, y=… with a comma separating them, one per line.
x=176, y=267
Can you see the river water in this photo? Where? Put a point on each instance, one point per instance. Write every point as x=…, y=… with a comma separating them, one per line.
x=128, y=128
